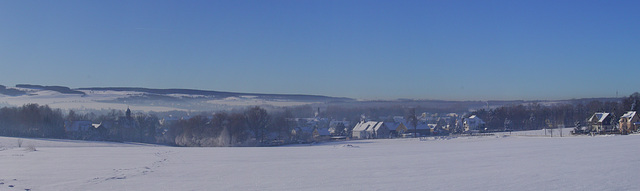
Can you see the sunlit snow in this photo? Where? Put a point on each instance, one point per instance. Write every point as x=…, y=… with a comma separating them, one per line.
x=497, y=162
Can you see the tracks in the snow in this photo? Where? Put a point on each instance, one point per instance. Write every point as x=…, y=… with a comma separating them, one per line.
x=124, y=173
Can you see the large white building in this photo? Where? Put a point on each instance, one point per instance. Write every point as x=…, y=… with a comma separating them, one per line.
x=369, y=130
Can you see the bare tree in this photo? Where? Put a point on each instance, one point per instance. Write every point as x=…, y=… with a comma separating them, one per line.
x=257, y=120
x=412, y=119
x=237, y=128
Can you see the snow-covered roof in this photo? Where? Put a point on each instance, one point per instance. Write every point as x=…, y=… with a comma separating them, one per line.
x=476, y=119
x=361, y=126
x=600, y=116
x=604, y=116
x=629, y=114
x=378, y=126
x=368, y=126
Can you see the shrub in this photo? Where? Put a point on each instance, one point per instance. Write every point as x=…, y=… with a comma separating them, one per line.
x=30, y=148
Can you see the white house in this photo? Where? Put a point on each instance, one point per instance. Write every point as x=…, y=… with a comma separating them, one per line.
x=473, y=123
x=371, y=129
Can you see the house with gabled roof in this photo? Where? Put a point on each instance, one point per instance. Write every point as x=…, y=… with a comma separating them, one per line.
x=370, y=130
x=629, y=122
x=396, y=129
x=601, y=122
x=421, y=129
x=473, y=124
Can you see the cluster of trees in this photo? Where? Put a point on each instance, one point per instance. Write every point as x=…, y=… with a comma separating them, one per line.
x=254, y=126
x=536, y=116
x=221, y=130
x=116, y=126
x=31, y=120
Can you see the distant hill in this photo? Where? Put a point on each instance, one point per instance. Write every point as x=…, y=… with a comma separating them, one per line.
x=220, y=94
x=11, y=92
x=61, y=89
x=149, y=99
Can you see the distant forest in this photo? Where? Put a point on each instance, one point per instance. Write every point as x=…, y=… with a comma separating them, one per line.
x=247, y=128
x=535, y=116
x=252, y=126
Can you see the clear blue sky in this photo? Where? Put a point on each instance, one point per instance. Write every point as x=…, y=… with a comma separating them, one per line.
x=452, y=50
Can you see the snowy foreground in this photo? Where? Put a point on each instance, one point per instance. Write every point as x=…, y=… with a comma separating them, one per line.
x=464, y=163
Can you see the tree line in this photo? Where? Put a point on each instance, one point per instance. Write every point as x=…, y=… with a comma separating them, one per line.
x=255, y=126
x=32, y=120
x=536, y=116
x=251, y=127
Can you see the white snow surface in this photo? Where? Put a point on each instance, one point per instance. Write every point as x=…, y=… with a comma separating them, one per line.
x=464, y=163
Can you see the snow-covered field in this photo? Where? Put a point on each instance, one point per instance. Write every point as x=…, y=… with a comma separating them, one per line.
x=497, y=162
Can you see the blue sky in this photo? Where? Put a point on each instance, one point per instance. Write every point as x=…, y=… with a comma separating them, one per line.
x=451, y=50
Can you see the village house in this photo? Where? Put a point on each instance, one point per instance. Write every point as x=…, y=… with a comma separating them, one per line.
x=370, y=130
x=629, y=122
x=303, y=134
x=473, y=124
x=421, y=129
x=402, y=128
x=601, y=122
x=396, y=129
